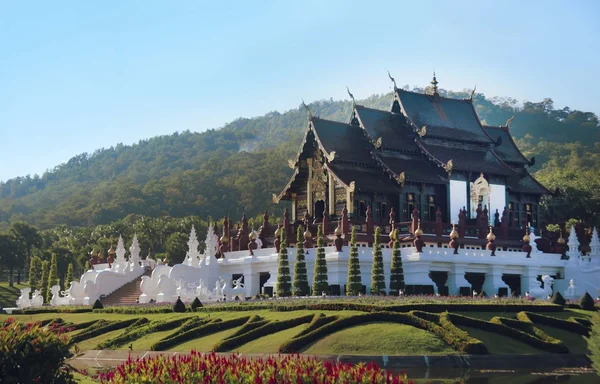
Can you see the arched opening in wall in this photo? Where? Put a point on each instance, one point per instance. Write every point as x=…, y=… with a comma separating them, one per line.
x=476, y=280
x=319, y=208
x=440, y=278
x=263, y=277
x=514, y=283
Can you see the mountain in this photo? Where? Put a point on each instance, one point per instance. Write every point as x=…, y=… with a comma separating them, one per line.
x=236, y=168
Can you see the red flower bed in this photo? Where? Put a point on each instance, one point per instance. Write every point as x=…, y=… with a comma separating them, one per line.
x=212, y=368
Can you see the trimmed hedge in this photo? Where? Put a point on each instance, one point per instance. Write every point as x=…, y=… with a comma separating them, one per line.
x=455, y=340
x=318, y=321
x=126, y=337
x=433, y=317
x=587, y=302
x=62, y=309
x=179, y=307
x=138, y=323
x=267, y=329
x=194, y=333
x=84, y=325
x=558, y=299
x=553, y=345
x=97, y=304
x=196, y=304
x=100, y=328
x=461, y=340
x=253, y=322
x=505, y=330
x=585, y=322
x=134, y=310
x=58, y=320
x=571, y=325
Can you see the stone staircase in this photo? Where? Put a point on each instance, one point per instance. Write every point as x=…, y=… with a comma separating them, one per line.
x=127, y=294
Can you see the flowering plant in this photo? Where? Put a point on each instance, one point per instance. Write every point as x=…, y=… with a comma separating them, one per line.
x=223, y=369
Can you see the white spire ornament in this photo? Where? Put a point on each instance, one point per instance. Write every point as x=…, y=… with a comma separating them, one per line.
x=134, y=251
x=193, y=255
x=573, y=244
x=211, y=242
x=595, y=244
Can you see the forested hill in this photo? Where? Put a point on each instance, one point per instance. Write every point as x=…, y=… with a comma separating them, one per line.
x=235, y=169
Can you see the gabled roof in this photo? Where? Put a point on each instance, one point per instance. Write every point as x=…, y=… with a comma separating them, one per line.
x=416, y=169
x=346, y=140
x=523, y=182
x=443, y=117
x=392, y=128
x=365, y=179
x=466, y=159
x=507, y=150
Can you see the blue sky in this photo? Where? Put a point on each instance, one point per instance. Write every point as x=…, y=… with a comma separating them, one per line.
x=81, y=75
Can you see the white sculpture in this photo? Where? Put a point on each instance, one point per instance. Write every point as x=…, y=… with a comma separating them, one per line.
x=90, y=291
x=23, y=301
x=571, y=292
x=36, y=299
x=539, y=292
x=76, y=293
x=134, y=252
x=166, y=290
x=120, y=264
x=532, y=243
x=232, y=293
x=58, y=297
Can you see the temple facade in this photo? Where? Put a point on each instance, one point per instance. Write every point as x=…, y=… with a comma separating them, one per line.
x=428, y=158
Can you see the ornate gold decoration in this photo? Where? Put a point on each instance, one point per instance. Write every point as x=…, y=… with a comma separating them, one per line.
x=419, y=231
x=301, y=203
x=449, y=166
x=378, y=143
x=320, y=195
x=454, y=234
x=276, y=199
x=401, y=178
x=291, y=163
x=277, y=232
x=509, y=121
x=307, y=234
x=561, y=239
x=526, y=238
x=331, y=156
x=422, y=132
x=224, y=239
x=352, y=186
x=340, y=196
x=338, y=229
x=252, y=235
x=393, y=81
x=491, y=236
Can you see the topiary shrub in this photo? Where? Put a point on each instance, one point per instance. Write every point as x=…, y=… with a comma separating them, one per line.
x=196, y=304
x=558, y=299
x=97, y=304
x=587, y=302
x=179, y=306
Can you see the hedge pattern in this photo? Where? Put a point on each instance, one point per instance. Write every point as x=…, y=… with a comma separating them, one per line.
x=253, y=322
x=554, y=345
x=101, y=327
x=318, y=321
x=126, y=337
x=267, y=329
x=505, y=330
x=571, y=325
x=299, y=343
x=194, y=333
x=433, y=317
x=461, y=340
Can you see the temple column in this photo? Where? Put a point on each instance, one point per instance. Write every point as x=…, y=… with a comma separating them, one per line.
x=331, y=194
x=493, y=281
x=294, y=207
x=528, y=279
x=350, y=202
x=251, y=282
x=309, y=198
x=456, y=279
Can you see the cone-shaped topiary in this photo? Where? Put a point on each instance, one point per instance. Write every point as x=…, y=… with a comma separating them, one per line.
x=70, y=276
x=320, y=281
x=97, y=304
x=301, y=287
x=52, y=278
x=35, y=272
x=377, y=278
x=284, y=281
x=397, y=272
x=354, y=283
x=44, y=284
x=587, y=302
x=558, y=299
x=179, y=306
x=196, y=304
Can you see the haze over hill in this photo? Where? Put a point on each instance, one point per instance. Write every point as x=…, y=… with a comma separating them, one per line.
x=235, y=169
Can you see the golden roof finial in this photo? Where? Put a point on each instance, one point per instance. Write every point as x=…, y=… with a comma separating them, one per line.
x=434, y=83
x=454, y=234
x=419, y=231
x=491, y=236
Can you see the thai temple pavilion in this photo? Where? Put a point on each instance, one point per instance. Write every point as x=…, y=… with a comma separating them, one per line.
x=427, y=156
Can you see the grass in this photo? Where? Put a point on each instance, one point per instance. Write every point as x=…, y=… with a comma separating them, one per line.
x=575, y=342
x=501, y=345
x=9, y=295
x=381, y=339
x=270, y=343
x=204, y=344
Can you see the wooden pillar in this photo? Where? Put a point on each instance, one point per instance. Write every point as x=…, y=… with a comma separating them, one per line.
x=369, y=222
x=309, y=198
x=294, y=207
x=345, y=225
x=331, y=194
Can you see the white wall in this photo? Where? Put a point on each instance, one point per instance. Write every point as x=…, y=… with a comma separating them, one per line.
x=497, y=200
x=458, y=198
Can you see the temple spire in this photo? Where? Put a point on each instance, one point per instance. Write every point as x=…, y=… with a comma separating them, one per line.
x=351, y=96
x=393, y=81
x=434, y=84
x=310, y=116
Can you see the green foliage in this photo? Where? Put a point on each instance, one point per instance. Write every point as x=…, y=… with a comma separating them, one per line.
x=196, y=304
x=70, y=276
x=397, y=272
x=284, y=286
x=587, y=302
x=594, y=343
x=137, y=331
x=177, y=247
x=320, y=280
x=301, y=287
x=100, y=328
x=97, y=304
x=377, y=276
x=354, y=283
x=558, y=299
x=35, y=272
x=179, y=306
x=44, y=283
x=571, y=325
x=52, y=278
x=32, y=354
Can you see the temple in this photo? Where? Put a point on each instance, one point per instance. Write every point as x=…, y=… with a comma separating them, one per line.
x=428, y=158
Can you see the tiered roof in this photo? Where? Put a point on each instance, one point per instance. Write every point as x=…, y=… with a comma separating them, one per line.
x=378, y=151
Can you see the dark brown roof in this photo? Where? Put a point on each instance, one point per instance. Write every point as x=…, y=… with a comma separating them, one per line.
x=507, y=150
x=392, y=128
x=365, y=179
x=347, y=140
x=417, y=169
x=468, y=159
x=523, y=182
x=443, y=117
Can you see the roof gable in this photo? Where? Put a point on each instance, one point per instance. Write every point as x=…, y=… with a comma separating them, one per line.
x=507, y=150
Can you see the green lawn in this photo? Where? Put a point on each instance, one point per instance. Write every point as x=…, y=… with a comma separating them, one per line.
x=270, y=343
x=206, y=343
x=381, y=339
x=9, y=295
x=501, y=345
x=575, y=342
